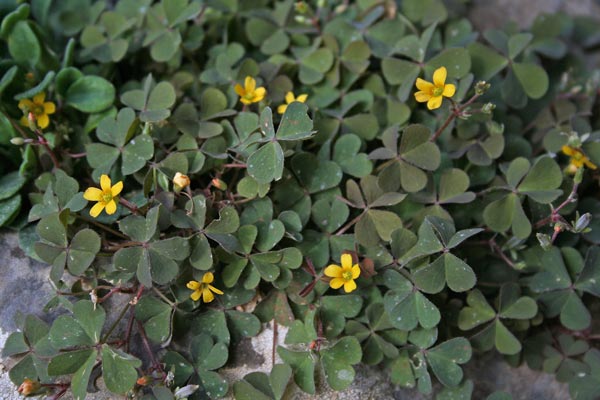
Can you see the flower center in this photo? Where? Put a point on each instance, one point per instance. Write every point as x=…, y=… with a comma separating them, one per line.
x=437, y=91
x=578, y=156
x=38, y=110
x=347, y=275
x=107, y=197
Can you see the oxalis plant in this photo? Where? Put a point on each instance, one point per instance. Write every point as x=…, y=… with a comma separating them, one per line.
x=374, y=180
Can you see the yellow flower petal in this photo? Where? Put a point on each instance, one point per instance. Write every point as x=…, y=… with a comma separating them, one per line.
x=439, y=76
x=239, y=90
x=422, y=97
x=289, y=97
x=337, y=283
x=589, y=164
x=346, y=260
x=26, y=104
x=423, y=85
x=43, y=121
x=449, y=90
x=207, y=295
x=281, y=109
x=349, y=286
x=195, y=295
x=92, y=194
x=116, y=188
x=302, y=98
x=249, y=84
x=259, y=94
x=568, y=150
x=434, y=102
x=246, y=101
x=111, y=207
x=355, y=271
x=214, y=289
x=49, y=107
x=208, y=277
x=333, y=271
x=193, y=285
x=105, y=183
x=24, y=121
x=97, y=209
x=39, y=98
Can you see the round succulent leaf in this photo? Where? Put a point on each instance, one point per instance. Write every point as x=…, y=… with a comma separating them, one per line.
x=533, y=79
x=90, y=94
x=119, y=369
x=23, y=44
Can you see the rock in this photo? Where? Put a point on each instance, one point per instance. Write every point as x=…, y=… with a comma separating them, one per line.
x=486, y=14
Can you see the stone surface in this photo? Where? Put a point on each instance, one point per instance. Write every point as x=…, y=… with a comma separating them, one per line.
x=485, y=14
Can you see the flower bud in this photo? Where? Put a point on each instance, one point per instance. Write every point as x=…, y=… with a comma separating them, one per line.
x=301, y=7
x=184, y=392
x=545, y=241
x=17, y=141
x=481, y=87
x=488, y=108
x=180, y=181
x=28, y=387
x=219, y=184
x=583, y=222
x=144, y=380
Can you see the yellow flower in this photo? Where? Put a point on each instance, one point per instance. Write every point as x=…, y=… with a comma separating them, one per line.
x=38, y=108
x=204, y=288
x=433, y=93
x=344, y=275
x=289, y=99
x=250, y=93
x=105, y=196
x=181, y=181
x=578, y=159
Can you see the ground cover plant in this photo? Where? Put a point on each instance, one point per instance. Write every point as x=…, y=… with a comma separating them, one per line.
x=389, y=185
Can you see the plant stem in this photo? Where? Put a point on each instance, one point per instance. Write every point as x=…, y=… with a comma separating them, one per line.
x=554, y=215
x=349, y=224
x=456, y=112
x=500, y=253
x=114, y=325
x=129, y=205
x=102, y=226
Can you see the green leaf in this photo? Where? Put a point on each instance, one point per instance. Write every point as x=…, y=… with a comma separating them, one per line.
x=338, y=360
x=81, y=378
x=23, y=44
x=506, y=342
x=90, y=94
x=9, y=209
x=303, y=366
x=266, y=164
x=82, y=251
x=10, y=184
x=477, y=312
x=346, y=155
x=443, y=360
x=542, y=181
x=517, y=43
x=66, y=332
x=69, y=362
x=456, y=60
x=118, y=370
x=533, y=78
x=228, y=221
x=295, y=123
x=91, y=318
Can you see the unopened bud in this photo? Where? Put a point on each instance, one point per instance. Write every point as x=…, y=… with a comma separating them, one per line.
x=301, y=19
x=545, y=240
x=219, y=184
x=17, y=141
x=31, y=120
x=185, y=391
x=583, y=222
x=28, y=387
x=144, y=380
x=520, y=265
x=29, y=77
x=481, y=87
x=180, y=182
x=488, y=108
x=301, y=7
